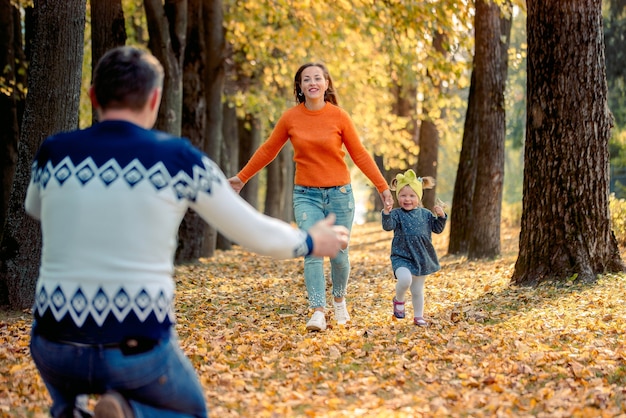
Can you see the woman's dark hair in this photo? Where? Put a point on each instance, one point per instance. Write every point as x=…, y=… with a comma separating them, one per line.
x=329, y=95
x=124, y=78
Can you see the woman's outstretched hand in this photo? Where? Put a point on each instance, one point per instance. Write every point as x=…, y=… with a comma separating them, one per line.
x=387, y=199
x=236, y=183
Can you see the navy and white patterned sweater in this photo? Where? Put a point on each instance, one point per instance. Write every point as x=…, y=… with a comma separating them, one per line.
x=110, y=199
x=412, y=245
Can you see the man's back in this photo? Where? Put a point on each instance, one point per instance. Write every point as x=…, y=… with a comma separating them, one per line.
x=110, y=199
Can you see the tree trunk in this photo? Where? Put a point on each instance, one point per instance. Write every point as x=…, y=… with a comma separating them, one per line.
x=490, y=65
x=51, y=106
x=192, y=230
x=565, y=228
x=427, y=158
x=230, y=135
x=290, y=172
x=12, y=100
x=12, y=95
x=276, y=186
x=249, y=130
x=429, y=134
x=214, y=85
x=107, y=30
x=229, y=155
x=404, y=105
x=461, y=216
x=373, y=202
x=167, y=26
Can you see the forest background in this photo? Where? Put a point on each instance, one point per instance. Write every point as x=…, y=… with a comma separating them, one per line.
x=406, y=73
x=440, y=87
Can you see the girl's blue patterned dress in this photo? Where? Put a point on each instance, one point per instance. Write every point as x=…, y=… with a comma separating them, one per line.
x=412, y=245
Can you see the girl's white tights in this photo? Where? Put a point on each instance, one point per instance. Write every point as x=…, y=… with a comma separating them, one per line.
x=406, y=280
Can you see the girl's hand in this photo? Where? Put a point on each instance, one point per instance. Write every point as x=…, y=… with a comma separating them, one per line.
x=440, y=208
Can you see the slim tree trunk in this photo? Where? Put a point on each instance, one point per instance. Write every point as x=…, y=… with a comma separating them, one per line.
x=461, y=216
x=229, y=155
x=276, y=185
x=250, y=130
x=429, y=134
x=427, y=159
x=214, y=84
x=566, y=229
x=167, y=26
x=490, y=65
x=107, y=30
x=192, y=230
x=290, y=172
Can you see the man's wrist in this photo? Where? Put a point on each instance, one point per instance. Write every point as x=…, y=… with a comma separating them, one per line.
x=309, y=243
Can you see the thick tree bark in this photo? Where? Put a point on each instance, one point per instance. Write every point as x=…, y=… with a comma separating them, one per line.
x=565, y=229
x=490, y=63
x=12, y=96
x=51, y=106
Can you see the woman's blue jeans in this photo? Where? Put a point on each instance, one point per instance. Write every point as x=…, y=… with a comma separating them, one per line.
x=160, y=383
x=312, y=204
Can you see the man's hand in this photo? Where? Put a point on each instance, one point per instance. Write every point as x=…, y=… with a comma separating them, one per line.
x=236, y=183
x=328, y=238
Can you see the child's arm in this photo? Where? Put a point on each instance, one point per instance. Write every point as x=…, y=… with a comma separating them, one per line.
x=438, y=222
x=388, y=221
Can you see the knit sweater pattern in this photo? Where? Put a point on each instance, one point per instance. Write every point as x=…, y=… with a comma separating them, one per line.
x=110, y=199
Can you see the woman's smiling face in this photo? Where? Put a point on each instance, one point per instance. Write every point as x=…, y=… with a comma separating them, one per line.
x=312, y=83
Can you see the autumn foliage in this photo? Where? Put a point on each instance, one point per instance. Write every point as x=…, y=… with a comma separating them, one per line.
x=491, y=350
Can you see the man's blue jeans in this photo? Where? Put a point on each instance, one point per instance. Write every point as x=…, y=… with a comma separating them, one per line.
x=160, y=383
x=312, y=204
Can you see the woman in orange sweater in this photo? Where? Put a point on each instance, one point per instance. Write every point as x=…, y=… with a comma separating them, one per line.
x=318, y=130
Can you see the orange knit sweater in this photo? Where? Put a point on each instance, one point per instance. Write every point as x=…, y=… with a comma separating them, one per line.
x=318, y=138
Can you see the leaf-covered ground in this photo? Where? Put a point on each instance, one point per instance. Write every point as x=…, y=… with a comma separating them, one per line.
x=491, y=350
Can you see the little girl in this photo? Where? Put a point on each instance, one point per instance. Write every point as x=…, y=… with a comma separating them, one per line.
x=412, y=253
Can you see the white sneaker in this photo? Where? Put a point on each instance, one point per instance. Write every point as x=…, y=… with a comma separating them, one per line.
x=341, y=312
x=317, y=322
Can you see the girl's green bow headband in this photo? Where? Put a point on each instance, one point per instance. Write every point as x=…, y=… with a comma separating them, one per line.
x=409, y=178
